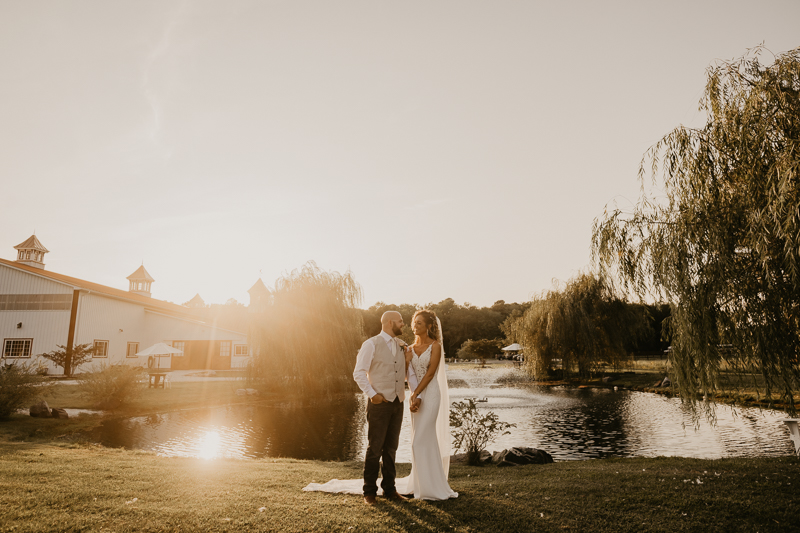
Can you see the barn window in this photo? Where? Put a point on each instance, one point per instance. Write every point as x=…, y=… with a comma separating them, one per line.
x=133, y=347
x=100, y=348
x=17, y=347
x=225, y=348
x=241, y=350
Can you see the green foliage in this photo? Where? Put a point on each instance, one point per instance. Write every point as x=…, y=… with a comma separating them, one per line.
x=306, y=338
x=583, y=324
x=721, y=242
x=18, y=387
x=472, y=431
x=112, y=386
x=480, y=349
x=459, y=322
x=70, y=362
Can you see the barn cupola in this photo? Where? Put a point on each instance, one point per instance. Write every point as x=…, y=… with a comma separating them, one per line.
x=259, y=296
x=140, y=282
x=31, y=252
x=196, y=302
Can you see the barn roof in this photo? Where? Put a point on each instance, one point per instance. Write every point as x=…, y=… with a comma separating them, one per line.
x=80, y=284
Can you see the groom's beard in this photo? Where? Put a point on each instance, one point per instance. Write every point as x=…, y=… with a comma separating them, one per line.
x=397, y=331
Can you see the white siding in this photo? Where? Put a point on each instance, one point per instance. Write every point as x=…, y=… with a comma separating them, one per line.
x=119, y=322
x=14, y=281
x=46, y=328
x=112, y=320
x=100, y=317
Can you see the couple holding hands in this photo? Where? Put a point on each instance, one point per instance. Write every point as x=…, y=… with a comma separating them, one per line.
x=383, y=365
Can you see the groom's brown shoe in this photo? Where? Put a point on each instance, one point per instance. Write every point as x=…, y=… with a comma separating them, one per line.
x=397, y=497
x=369, y=499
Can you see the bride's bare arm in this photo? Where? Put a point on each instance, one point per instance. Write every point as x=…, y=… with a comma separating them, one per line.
x=436, y=356
x=411, y=376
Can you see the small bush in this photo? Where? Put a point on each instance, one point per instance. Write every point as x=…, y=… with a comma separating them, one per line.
x=112, y=386
x=18, y=387
x=474, y=431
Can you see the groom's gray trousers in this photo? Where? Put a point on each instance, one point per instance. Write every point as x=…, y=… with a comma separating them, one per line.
x=384, y=422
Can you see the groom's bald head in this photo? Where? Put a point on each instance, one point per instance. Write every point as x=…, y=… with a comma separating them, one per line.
x=392, y=323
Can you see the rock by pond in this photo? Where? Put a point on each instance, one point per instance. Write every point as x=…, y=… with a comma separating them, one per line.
x=512, y=457
x=59, y=413
x=40, y=410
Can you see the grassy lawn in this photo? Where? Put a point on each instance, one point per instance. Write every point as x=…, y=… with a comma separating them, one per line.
x=47, y=487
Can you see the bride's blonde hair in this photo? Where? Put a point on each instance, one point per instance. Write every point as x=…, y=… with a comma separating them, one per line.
x=429, y=318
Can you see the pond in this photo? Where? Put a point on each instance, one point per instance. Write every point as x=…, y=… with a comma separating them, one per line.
x=570, y=424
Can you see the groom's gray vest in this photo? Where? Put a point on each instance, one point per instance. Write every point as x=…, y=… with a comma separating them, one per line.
x=387, y=373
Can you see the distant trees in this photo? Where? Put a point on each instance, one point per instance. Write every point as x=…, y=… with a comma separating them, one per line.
x=584, y=324
x=721, y=241
x=231, y=314
x=70, y=360
x=480, y=349
x=459, y=322
x=305, y=338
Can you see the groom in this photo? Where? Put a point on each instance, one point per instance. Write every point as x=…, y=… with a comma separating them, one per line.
x=381, y=372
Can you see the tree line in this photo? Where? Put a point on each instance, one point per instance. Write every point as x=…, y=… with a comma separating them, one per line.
x=589, y=307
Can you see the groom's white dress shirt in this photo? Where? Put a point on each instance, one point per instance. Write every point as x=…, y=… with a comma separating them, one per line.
x=364, y=361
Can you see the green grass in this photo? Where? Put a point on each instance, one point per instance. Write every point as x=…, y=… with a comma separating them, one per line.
x=90, y=488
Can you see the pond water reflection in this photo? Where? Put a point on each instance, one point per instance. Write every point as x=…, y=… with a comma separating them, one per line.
x=571, y=424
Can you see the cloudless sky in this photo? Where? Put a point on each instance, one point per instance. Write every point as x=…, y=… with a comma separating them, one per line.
x=436, y=149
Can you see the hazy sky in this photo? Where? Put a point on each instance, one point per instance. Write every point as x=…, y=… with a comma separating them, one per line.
x=436, y=149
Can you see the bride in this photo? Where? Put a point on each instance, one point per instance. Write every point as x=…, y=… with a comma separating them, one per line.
x=430, y=433
x=430, y=421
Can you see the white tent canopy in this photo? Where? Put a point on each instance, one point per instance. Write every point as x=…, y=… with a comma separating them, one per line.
x=157, y=351
x=512, y=348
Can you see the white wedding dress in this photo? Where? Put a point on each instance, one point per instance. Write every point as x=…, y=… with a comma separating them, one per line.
x=430, y=443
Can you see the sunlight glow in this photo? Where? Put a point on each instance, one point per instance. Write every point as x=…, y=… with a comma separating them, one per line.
x=209, y=445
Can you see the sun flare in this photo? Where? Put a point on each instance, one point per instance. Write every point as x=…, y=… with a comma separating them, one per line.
x=209, y=445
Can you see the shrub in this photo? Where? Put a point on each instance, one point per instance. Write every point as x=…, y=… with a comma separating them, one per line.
x=112, y=386
x=480, y=349
x=474, y=431
x=70, y=360
x=18, y=387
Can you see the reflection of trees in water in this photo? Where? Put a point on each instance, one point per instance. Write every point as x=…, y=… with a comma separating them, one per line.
x=594, y=425
x=120, y=433
x=328, y=431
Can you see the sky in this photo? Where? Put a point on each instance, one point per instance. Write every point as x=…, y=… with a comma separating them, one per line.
x=435, y=149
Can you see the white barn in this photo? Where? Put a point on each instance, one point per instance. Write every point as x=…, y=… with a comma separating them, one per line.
x=40, y=310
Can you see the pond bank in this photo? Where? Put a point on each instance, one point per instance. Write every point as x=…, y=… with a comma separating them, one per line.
x=178, y=397
x=643, y=382
x=81, y=487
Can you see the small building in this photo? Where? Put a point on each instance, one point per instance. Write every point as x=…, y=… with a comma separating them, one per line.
x=40, y=309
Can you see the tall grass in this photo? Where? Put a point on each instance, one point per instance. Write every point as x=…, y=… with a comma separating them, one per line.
x=112, y=386
x=306, y=336
x=18, y=386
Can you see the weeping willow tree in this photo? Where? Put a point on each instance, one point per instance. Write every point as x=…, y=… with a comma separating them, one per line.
x=306, y=334
x=722, y=242
x=584, y=324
